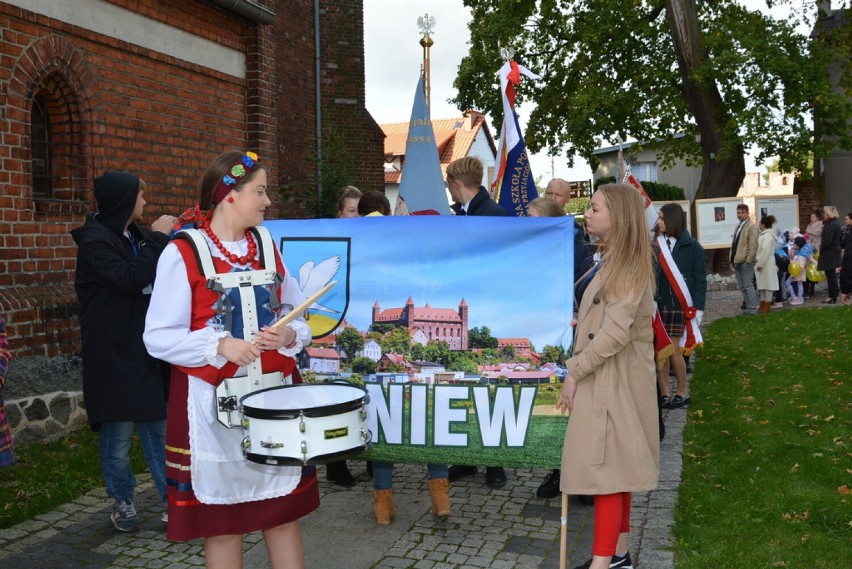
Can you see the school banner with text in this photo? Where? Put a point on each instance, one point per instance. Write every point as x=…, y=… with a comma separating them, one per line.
x=442, y=276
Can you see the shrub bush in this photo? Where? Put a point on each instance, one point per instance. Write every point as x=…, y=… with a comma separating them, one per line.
x=663, y=192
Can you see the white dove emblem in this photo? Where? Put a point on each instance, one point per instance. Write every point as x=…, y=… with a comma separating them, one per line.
x=313, y=277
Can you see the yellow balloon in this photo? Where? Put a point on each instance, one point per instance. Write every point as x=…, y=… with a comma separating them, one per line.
x=795, y=269
x=815, y=275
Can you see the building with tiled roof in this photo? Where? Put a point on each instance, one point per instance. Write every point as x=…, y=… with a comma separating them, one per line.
x=391, y=360
x=439, y=324
x=320, y=360
x=540, y=376
x=455, y=138
x=372, y=349
x=522, y=347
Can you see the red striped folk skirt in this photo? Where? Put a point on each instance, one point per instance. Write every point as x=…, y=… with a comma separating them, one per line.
x=190, y=519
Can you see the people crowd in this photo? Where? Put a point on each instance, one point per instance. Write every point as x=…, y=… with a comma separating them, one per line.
x=150, y=317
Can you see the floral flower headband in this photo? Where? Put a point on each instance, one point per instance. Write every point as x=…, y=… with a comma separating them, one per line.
x=229, y=181
x=237, y=172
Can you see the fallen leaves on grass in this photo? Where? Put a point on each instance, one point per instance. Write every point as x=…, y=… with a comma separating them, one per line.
x=796, y=516
x=844, y=490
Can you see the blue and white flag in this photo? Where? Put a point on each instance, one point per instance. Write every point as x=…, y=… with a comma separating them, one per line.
x=422, y=184
x=513, y=185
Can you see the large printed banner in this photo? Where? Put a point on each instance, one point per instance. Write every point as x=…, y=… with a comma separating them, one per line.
x=441, y=276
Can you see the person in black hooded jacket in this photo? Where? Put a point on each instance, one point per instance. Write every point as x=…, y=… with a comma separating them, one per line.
x=123, y=386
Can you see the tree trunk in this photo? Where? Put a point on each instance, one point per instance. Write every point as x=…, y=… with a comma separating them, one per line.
x=719, y=177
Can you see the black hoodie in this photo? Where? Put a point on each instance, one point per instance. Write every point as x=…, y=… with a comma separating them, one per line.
x=121, y=382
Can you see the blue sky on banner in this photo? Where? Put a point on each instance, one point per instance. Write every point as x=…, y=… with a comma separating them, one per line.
x=422, y=184
x=512, y=272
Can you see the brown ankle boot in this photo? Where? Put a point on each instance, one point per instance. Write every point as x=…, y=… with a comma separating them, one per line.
x=384, y=506
x=439, y=488
x=764, y=307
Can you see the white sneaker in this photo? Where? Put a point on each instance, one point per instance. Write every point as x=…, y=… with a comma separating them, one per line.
x=165, y=517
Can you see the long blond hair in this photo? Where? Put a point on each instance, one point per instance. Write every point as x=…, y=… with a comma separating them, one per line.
x=627, y=262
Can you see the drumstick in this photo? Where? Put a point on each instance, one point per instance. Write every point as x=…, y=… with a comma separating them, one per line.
x=302, y=307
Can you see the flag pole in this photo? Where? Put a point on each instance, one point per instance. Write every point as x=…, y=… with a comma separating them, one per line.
x=426, y=23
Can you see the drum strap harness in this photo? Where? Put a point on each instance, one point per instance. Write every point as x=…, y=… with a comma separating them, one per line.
x=244, y=282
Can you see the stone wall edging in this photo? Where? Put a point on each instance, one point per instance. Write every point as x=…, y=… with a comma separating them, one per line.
x=44, y=417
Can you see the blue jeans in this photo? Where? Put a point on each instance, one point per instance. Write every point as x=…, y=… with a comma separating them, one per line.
x=115, y=439
x=383, y=474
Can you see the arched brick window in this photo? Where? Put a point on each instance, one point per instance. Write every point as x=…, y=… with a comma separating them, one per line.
x=56, y=107
x=40, y=144
x=49, y=106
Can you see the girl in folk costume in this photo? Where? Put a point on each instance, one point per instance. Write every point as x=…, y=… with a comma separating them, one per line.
x=214, y=492
x=681, y=293
x=612, y=442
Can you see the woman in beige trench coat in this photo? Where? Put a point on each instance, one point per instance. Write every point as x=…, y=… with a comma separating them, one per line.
x=612, y=442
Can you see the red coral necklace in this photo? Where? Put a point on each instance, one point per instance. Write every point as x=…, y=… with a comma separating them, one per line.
x=232, y=257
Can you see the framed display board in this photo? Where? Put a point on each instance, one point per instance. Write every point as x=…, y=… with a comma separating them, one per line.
x=717, y=219
x=684, y=205
x=784, y=208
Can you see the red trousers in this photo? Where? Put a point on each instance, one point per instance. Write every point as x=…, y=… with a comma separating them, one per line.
x=612, y=517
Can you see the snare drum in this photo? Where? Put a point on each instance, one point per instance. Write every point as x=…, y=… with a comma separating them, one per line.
x=305, y=424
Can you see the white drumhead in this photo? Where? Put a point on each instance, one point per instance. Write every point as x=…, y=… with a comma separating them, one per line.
x=295, y=397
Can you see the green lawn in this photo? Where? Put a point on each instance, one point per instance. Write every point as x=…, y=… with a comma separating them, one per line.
x=53, y=473
x=767, y=459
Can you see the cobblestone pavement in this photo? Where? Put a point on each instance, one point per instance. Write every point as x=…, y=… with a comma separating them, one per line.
x=503, y=528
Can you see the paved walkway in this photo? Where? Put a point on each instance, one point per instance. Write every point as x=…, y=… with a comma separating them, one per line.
x=506, y=528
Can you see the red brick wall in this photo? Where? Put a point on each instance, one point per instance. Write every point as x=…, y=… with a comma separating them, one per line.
x=120, y=106
x=296, y=94
x=343, y=102
x=344, y=115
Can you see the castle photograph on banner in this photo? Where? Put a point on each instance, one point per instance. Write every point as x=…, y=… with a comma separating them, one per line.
x=433, y=281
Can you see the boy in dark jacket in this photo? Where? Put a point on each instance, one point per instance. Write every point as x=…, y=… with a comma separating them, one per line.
x=123, y=386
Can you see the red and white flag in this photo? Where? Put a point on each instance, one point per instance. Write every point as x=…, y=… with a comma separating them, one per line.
x=512, y=185
x=650, y=212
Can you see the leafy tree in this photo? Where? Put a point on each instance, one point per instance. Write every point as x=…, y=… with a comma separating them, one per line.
x=418, y=352
x=578, y=205
x=489, y=356
x=351, y=342
x=774, y=166
x=383, y=327
x=397, y=341
x=356, y=379
x=308, y=376
x=438, y=351
x=725, y=77
x=553, y=354
x=393, y=367
x=363, y=366
x=481, y=338
x=462, y=361
x=507, y=353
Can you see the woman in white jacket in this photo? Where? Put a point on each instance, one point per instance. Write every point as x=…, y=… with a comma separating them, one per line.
x=765, y=270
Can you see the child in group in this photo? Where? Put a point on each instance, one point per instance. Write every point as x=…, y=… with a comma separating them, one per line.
x=801, y=253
